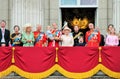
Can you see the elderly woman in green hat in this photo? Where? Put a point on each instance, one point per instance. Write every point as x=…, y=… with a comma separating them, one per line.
x=28, y=36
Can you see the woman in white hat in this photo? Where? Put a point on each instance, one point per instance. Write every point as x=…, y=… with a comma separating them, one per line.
x=67, y=38
x=27, y=36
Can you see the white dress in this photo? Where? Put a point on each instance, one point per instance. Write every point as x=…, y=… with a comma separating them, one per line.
x=67, y=40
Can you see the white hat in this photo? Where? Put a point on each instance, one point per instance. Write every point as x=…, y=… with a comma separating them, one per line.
x=27, y=25
x=67, y=28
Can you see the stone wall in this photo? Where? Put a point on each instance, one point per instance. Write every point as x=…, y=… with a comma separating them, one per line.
x=51, y=12
x=4, y=11
x=105, y=14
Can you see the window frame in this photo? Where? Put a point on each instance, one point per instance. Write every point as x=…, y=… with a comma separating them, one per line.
x=78, y=5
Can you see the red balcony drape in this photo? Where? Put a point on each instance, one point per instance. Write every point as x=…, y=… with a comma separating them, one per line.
x=72, y=62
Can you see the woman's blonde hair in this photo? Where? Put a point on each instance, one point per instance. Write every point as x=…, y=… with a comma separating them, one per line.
x=27, y=25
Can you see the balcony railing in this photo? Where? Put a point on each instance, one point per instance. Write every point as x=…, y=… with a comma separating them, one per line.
x=70, y=62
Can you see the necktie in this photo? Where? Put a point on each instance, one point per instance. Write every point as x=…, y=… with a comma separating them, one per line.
x=3, y=30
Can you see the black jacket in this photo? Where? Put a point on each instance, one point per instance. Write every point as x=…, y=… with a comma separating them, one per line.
x=6, y=36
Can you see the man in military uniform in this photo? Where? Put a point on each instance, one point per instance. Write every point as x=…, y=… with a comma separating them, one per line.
x=77, y=35
x=40, y=37
x=54, y=41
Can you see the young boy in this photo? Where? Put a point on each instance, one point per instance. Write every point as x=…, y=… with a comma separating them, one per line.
x=81, y=41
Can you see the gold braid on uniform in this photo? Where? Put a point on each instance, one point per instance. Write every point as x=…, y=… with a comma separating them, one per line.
x=77, y=35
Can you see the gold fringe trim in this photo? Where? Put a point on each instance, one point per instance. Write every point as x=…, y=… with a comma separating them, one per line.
x=27, y=74
x=110, y=73
x=13, y=59
x=6, y=72
x=78, y=75
x=62, y=71
x=34, y=75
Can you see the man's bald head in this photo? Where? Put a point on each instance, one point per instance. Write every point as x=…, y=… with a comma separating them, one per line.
x=54, y=25
x=39, y=27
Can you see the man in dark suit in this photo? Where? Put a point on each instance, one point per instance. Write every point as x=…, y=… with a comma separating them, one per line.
x=4, y=34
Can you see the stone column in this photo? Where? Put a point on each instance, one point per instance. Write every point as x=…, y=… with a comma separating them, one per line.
x=4, y=11
x=55, y=12
x=26, y=11
x=116, y=14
